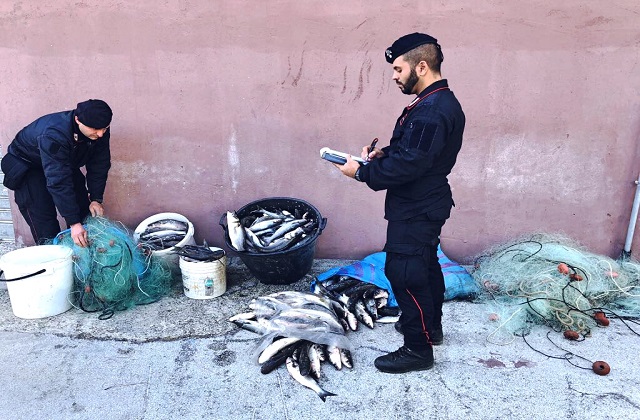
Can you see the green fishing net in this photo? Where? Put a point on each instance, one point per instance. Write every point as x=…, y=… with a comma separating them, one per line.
x=551, y=280
x=113, y=273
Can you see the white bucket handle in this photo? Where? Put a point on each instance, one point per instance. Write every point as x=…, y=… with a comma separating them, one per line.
x=23, y=277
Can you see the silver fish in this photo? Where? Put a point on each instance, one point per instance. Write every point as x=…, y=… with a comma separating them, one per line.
x=276, y=245
x=295, y=298
x=380, y=302
x=272, y=214
x=314, y=359
x=352, y=320
x=168, y=224
x=320, y=350
x=249, y=325
x=380, y=293
x=264, y=224
x=372, y=309
x=388, y=319
x=161, y=234
x=307, y=381
x=362, y=314
x=243, y=316
x=253, y=238
x=347, y=360
x=345, y=315
x=279, y=358
x=333, y=354
x=276, y=346
x=284, y=228
x=236, y=232
x=302, y=356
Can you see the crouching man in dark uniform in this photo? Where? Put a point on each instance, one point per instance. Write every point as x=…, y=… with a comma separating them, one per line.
x=414, y=169
x=42, y=166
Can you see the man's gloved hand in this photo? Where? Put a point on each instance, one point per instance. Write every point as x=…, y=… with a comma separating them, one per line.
x=79, y=235
x=96, y=209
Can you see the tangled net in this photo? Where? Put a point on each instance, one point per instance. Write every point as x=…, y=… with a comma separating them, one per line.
x=551, y=280
x=113, y=273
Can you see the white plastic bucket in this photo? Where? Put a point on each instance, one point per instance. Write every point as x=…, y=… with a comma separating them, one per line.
x=168, y=254
x=204, y=279
x=45, y=294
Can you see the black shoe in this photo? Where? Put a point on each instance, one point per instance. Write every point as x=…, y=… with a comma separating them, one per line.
x=405, y=360
x=436, y=336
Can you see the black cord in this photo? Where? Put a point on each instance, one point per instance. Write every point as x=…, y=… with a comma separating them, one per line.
x=568, y=355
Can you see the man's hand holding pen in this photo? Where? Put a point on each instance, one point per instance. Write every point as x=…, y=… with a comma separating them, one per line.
x=371, y=152
x=350, y=168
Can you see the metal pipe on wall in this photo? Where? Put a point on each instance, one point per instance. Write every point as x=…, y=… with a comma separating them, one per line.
x=632, y=222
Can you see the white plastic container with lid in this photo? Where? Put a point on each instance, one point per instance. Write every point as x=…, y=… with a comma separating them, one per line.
x=204, y=279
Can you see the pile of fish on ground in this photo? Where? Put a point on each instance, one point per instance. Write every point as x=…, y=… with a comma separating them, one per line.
x=302, y=330
x=163, y=234
x=264, y=231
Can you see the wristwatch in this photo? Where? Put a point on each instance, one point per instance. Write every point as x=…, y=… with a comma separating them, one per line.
x=97, y=200
x=357, y=175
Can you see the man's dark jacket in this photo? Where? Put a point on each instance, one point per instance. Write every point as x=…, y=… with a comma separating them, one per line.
x=54, y=144
x=425, y=143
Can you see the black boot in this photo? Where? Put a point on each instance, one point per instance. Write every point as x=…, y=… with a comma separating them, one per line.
x=436, y=336
x=405, y=360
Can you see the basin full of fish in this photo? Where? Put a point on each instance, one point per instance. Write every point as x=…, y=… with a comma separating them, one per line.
x=163, y=234
x=264, y=231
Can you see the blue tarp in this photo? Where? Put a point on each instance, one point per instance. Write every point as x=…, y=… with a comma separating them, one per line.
x=458, y=282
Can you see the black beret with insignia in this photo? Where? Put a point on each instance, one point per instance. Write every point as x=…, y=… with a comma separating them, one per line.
x=408, y=42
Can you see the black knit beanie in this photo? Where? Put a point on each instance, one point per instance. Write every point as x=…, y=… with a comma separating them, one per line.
x=94, y=113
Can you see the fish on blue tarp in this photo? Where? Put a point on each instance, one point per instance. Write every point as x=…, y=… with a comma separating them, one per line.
x=459, y=284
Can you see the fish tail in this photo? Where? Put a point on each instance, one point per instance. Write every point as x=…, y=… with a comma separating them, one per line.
x=324, y=394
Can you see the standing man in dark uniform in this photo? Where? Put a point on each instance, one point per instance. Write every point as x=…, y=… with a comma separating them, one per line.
x=42, y=166
x=414, y=169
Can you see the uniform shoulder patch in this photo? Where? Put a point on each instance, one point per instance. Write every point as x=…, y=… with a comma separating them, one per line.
x=422, y=135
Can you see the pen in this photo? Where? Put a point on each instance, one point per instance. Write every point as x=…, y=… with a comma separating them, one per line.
x=373, y=145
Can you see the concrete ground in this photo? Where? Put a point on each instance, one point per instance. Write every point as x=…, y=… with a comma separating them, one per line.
x=180, y=358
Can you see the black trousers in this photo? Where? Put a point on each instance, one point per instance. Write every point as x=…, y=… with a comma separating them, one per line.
x=37, y=206
x=416, y=278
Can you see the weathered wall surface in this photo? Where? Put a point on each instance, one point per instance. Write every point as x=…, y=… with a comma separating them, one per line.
x=218, y=103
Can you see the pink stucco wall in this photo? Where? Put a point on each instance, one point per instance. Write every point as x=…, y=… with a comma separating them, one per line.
x=218, y=103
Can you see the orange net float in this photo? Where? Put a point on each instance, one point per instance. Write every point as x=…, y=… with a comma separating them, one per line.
x=601, y=368
x=563, y=269
x=601, y=319
x=571, y=335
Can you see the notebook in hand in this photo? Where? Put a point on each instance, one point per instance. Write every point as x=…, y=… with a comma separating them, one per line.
x=338, y=157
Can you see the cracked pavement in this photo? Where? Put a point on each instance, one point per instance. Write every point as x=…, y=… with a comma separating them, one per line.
x=181, y=358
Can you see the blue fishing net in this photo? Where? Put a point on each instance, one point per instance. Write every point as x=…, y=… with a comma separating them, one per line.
x=113, y=273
